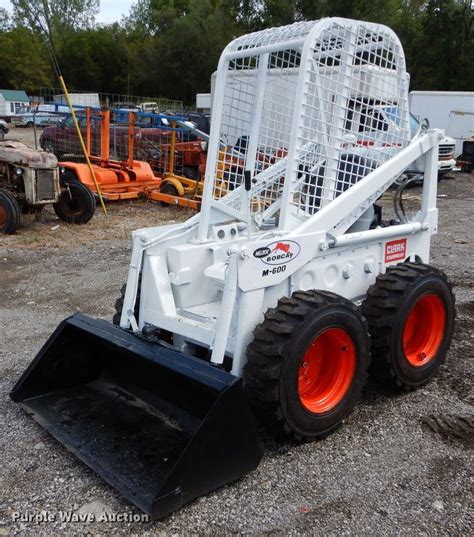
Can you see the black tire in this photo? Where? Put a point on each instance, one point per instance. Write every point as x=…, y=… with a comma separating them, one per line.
x=10, y=213
x=68, y=175
x=402, y=355
x=191, y=173
x=30, y=124
x=274, y=374
x=119, y=304
x=170, y=189
x=76, y=204
x=2, y=135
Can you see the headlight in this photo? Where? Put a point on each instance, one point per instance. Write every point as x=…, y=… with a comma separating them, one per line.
x=18, y=171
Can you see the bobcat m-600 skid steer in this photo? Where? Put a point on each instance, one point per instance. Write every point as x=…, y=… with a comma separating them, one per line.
x=266, y=302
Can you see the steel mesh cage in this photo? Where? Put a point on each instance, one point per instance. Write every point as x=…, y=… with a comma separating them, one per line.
x=307, y=110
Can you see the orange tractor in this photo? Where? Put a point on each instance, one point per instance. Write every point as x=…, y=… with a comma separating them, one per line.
x=129, y=178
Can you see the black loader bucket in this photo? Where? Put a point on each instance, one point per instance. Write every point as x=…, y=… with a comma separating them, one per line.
x=160, y=426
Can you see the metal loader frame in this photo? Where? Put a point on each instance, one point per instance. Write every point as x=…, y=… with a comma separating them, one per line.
x=323, y=223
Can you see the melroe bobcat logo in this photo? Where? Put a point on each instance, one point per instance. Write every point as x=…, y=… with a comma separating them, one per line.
x=278, y=253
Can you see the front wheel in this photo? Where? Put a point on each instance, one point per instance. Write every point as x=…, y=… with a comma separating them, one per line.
x=10, y=213
x=76, y=204
x=307, y=364
x=410, y=310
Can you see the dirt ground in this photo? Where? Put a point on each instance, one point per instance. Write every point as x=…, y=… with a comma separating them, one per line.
x=386, y=471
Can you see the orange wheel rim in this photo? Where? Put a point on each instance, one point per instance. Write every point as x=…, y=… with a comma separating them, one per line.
x=326, y=371
x=424, y=330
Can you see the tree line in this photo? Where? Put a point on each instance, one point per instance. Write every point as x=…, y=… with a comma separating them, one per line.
x=169, y=48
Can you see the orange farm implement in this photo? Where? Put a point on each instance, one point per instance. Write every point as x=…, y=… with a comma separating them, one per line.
x=124, y=177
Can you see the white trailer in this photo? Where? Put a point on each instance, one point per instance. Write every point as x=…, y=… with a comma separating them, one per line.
x=440, y=107
x=203, y=102
x=461, y=126
x=80, y=99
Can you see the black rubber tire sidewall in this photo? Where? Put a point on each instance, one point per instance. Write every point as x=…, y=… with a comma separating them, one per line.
x=408, y=374
x=301, y=420
x=81, y=192
x=13, y=212
x=169, y=189
x=191, y=173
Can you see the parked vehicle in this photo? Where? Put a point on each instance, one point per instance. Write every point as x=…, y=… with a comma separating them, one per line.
x=40, y=116
x=466, y=160
x=62, y=139
x=151, y=131
x=461, y=126
x=30, y=179
x=451, y=111
x=385, y=120
x=148, y=107
x=125, y=106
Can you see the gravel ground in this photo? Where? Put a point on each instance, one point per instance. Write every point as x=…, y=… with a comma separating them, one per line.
x=384, y=472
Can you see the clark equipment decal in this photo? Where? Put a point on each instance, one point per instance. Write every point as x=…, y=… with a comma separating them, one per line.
x=278, y=252
x=395, y=250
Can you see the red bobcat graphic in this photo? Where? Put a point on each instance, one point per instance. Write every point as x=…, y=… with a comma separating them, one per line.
x=281, y=247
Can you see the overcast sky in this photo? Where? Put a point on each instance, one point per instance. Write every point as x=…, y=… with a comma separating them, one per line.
x=110, y=10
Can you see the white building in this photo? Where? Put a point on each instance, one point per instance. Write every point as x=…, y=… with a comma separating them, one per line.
x=11, y=101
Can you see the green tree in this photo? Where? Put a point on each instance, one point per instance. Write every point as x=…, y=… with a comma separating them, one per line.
x=24, y=63
x=4, y=20
x=179, y=61
x=59, y=15
x=95, y=59
x=442, y=50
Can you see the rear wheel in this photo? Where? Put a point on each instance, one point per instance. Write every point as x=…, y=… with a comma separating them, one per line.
x=307, y=364
x=191, y=173
x=76, y=204
x=10, y=213
x=410, y=310
x=119, y=304
x=170, y=190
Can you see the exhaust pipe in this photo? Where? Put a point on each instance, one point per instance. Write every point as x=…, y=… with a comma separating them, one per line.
x=161, y=427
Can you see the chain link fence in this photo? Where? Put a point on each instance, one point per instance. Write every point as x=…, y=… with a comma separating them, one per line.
x=115, y=129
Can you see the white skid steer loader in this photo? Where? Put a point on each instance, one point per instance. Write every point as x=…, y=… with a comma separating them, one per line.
x=266, y=302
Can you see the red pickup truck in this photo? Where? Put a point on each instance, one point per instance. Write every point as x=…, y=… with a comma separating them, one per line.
x=152, y=144
x=62, y=139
